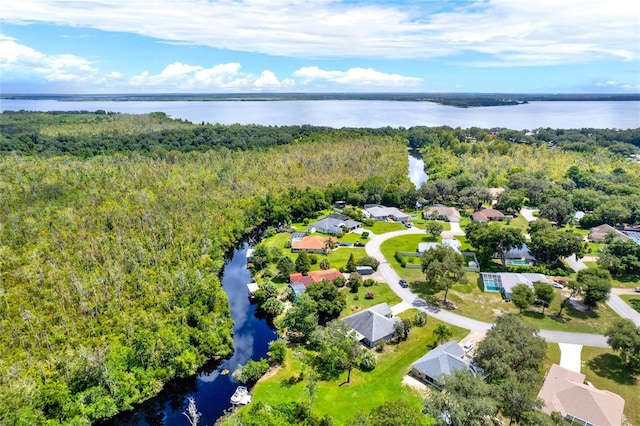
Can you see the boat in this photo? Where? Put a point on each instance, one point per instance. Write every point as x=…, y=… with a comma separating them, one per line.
x=241, y=396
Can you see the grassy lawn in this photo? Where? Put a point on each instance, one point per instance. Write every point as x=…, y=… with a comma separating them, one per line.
x=606, y=371
x=591, y=264
x=631, y=300
x=474, y=303
x=382, y=227
x=518, y=222
x=381, y=291
x=367, y=390
x=421, y=223
x=406, y=243
x=552, y=355
x=352, y=238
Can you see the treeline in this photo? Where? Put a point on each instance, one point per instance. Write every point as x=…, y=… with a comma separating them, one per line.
x=100, y=133
x=109, y=265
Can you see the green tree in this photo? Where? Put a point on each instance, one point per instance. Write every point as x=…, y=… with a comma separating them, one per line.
x=391, y=413
x=325, y=264
x=260, y=256
x=557, y=210
x=544, y=293
x=339, y=350
x=277, y=351
x=624, y=337
x=300, y=321
x=510, y=347
x=303, y=263
x=285, y=267
x=443, y=267
x=492, y=239
x=442, y=333
x=522, y=296
x=355, y=280
x=272, y=307
x=549, y=245
x=597, y=285
x=351, y=264
x=467, y=401
x=433, y=228
x=368, y=261
x=251, y=372
x=329, y=300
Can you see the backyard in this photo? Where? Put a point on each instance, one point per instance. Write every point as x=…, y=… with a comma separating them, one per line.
x=367, y=390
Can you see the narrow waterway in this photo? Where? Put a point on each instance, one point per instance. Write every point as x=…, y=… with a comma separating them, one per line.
x=416, y=174
x=209, y=387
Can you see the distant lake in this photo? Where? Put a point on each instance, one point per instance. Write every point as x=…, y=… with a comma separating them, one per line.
x=366, y=113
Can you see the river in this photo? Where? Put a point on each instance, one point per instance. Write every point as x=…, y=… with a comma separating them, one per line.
x=211, y=389
x=363, y=113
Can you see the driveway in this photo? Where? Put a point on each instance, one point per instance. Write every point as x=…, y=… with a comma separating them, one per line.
x=527, y=213
x=409, y=298
x=575, y=263
x=621, y=307
x=570, y=356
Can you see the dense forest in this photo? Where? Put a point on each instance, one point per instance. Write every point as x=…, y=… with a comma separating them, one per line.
x=113, y=230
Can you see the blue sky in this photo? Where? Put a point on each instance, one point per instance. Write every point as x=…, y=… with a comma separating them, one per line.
x=241, y=46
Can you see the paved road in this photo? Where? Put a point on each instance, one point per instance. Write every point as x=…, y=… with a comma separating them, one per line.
x=621, y=307
x=410, y=299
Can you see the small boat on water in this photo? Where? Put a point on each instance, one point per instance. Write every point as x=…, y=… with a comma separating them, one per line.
x=241, y=396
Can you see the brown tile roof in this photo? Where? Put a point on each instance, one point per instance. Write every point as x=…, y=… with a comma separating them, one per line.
x=487, y=214
x=564, y=391
x=315, y=276
x=312, y=242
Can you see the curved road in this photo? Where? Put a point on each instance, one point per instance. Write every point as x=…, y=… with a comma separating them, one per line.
x=411, y=299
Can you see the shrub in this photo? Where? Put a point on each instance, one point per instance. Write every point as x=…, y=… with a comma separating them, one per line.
x=369, y=282
x=364, y=235
x=325, y=264
x=380, y=346
x=356, y=297
x=369, y=295
x=420, y=318
x=340, y=282
x=400, y=259
x=368, y=361
x=277, y=351
x=270, y=232
x=313, y=259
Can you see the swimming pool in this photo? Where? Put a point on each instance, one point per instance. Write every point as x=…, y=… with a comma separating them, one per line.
x=518, y=262
x=491, y=282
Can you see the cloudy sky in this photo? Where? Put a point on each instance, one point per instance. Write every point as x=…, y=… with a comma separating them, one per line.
x=166, y=46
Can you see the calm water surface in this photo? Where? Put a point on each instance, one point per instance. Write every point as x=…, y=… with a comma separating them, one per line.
x=354, y=113
x=211, y=389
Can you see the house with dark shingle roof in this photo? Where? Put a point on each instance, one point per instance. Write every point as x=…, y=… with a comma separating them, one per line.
x=373, y=325
x=564, y=391
x=440, y=362
x=378, y=212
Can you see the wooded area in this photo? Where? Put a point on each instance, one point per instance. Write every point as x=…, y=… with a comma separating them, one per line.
x=113, y=230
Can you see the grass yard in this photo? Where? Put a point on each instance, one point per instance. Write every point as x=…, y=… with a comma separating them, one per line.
x=632, y=300
x=421, y=223
x=367, y=390
x=406, y=243
x=382, y=293
x=606, y=371
x=552, y=355
x=352, y=237
x=474, y=303
x=382, y=227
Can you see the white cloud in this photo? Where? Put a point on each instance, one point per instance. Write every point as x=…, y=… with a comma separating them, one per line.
x=567, y=31
x=357, y=77
x=194, y=78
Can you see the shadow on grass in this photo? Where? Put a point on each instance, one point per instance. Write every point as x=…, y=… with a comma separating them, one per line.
x=610, y=366
x=287, y=383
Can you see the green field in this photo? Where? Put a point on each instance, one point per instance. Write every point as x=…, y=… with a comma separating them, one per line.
x=632, y=300
x=367, y=390
x=382, y=227
x=382, y=293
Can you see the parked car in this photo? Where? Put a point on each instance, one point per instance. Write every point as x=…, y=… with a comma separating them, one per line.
x=408, y=225
x=557, y=285
x=358, y=244
x=403, y=284
x=468, y=347
x=637, y=289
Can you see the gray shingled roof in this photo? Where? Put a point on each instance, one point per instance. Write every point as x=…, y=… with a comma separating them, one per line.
x=371, y=324
x=443, y=360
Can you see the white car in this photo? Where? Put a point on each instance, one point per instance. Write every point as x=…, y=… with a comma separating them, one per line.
x=468, y=347
x=557, y=285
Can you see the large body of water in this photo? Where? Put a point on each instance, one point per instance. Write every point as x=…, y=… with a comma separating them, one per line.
x=363, y=113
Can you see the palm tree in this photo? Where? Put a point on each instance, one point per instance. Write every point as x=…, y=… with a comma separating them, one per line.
x=442, y=333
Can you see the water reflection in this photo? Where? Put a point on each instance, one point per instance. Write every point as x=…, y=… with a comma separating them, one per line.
x=417, y=174
x=210, y=388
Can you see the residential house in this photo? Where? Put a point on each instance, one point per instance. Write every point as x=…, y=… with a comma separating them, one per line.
x=442, y=212
x=311, y=244
x=564, y=391
x=449, y=242
x=378, y=212
x=505, y=281
x=335, y=224
x=598, y=234
x=373, y=325
x=495, y=193
x=315, y=276
x=487, y=215
x=440, y=362
x=518, y=256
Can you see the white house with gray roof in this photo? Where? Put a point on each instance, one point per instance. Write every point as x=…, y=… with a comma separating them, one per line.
x=378, y=212
x=505, y=281
x=373, y=325
x=335, y=224
x=440, y=362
